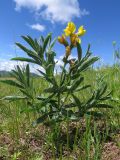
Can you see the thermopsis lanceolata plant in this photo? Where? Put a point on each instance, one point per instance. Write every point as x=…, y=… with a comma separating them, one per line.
x=59, y=102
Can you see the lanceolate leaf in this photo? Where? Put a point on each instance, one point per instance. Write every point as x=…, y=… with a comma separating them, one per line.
x=12, y=98
x=46, y=42
x=88, y=51
x=76, y=83
x=30, y=41
x=40, y=120
x=103, y=106
x=53, y=43
x=76, y=99
x=46, y=77
x=20, y=74
x=87, y=63
x=28, y=75
x=30, y=53
x=23, y=59
x=95, y=114
x=12, y=83
x=43, y=118
x=82, y=88
x=79, y=51
x=26, y=93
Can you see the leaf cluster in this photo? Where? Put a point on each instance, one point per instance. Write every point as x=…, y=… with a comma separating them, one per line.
x=61, y=101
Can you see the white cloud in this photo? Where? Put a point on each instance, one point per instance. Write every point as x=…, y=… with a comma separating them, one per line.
x=85, y=12
x=8, y=65
x=37, y=27
x=53, y=10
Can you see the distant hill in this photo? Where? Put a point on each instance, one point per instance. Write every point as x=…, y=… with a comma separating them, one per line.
x=8, y=74
x=5, y=73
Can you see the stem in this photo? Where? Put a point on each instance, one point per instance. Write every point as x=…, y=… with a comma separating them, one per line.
x=62, y=73
x=75, y=139
x=61, y=152
x=53, y=151
x=68, y=138
x=59, y=100
x=67, y=133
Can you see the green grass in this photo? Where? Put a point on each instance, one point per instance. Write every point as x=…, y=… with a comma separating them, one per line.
x=84, y=141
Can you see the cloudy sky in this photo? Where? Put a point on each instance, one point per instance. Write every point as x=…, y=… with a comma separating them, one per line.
x=39, y=17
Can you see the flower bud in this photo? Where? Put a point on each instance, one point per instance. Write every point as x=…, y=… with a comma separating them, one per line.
x=62, y=40
x=72, y=62
x=68, y=51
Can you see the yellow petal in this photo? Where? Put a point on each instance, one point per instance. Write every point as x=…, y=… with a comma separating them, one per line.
x=70, y=29
x=81, y=31
x=67, y=32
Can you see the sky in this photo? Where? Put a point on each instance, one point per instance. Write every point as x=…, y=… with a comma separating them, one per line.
x=39, y=17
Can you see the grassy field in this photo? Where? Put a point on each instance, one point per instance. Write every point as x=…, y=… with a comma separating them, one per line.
x=90, y=139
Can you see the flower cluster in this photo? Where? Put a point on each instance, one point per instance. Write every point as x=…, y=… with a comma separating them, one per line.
x=69, y=31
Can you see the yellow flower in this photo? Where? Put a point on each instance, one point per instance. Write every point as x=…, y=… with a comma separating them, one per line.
x=74, y=39
x=68, y=51
x=70, y=29
x=81, y=31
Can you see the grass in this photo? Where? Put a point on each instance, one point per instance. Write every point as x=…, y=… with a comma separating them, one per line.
x=87, y=140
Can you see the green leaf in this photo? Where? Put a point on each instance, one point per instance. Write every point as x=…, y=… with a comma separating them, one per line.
x=23, y=59
x=27, y=93
x=79, y=51
x=48, y=99
x=20, y=74
x=88, y=51
x=31, y=42
x=46, y=77
x=95, y=114
x=103, y=106
x=30, y=53
x=77, y=101
x=103, y=89
x=43, y=118
x=42, y=39
x=87, y=63
x=12, y=98
x=82, y=88
x=40, y=120
x=53, y=43
x=46, y=42
x=12, y=83
x=50, y=90
x=76, y=83
x=28, y=74
x=71, y=105
x=74, y=76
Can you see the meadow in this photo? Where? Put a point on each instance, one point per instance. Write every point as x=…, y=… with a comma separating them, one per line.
x=20, y=140
x=69, y=119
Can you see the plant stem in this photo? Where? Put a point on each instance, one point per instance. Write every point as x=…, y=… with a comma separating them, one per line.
x=67, y=133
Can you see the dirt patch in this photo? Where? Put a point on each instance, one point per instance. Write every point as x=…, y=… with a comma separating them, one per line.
x=110, y=151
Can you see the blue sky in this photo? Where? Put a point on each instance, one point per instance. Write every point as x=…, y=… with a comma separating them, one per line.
x=39, y=17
